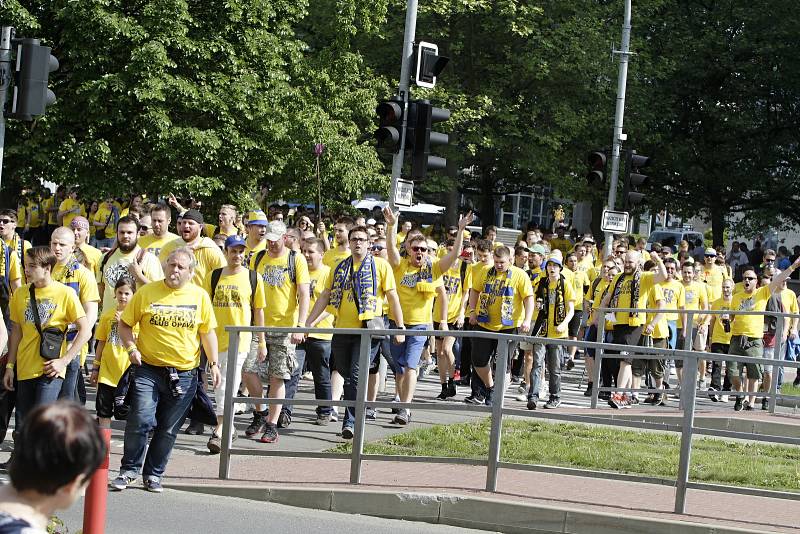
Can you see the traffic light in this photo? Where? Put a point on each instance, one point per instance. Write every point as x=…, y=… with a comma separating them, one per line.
x=390, y=124
x=33, y=66
x=597, y=168
x=633, y=179
x=419, y=137
x=429, y=64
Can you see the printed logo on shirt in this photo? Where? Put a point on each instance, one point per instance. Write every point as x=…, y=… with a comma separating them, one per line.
x=669, y=296
x=113, y=336
x=410, y=280
x=46, y=308
x=112, y=273
x=227, y=296
x=173, y=315
x=747, y=304
x=451, y=284
x=274, y=275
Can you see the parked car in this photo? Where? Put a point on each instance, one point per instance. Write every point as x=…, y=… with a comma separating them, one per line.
x=672, y=236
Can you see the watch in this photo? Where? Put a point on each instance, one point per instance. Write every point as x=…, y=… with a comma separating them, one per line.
x=212, y=364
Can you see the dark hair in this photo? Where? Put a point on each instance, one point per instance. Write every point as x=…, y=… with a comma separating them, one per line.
x=348, y=222
x=319, y=243
x=160, y=207
x=125, y=281
x=56, y=443
x=12, y=214
x=41, y=257
x=484, y=245
x=354, y=229
x=129, y=220
x=671, y=260
x=502, y=252
x=519, y=249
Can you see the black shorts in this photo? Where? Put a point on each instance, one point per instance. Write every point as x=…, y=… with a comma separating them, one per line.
x=720, y=348
x=483, y=349
x=104, y=403
x=575, y=324
x=450, y=326
x=626, y=335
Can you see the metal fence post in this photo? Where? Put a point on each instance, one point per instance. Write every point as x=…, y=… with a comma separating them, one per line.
x=598, y=357
x=227, y=414
x=688, y=395
x=776, y=371
x=360, y=409
x=497, y=413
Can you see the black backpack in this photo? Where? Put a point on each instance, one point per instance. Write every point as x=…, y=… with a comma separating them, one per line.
x=292, y=264
x=217, y=273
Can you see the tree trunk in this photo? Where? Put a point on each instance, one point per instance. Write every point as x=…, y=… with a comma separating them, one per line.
x=486, y=202
x=597, y=215
x=717, y=222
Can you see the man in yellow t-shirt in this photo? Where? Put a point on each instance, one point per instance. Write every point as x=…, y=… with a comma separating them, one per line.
x=580, y=284
x=39, y=380
x=371, y=278
x=256, y=227
x=70, y=208
x=70, y=272
x=17, y=245
x=207, y=254
x=500, y=300
x=174, y=317
x=712, y=274
x=80, y=229
x=10, y=271
x=160, y=217
x=747, y=331
x=236, y=302
x=104, y=224
x=416, y=277
x=594, y=296
x=654, y=334
x=695, y=299
x=286, y=286
x=558, y=298
x=720, y=340
x=341, y=248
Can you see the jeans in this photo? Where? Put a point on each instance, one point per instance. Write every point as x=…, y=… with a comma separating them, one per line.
x=317, y=355
x=554, y=356
x=154, y=406
x=792, y=350
x=36, y=391
x=345, y=348
x=69, y=388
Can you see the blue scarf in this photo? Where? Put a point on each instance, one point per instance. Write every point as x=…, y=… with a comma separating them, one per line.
x=487, y=298
x=364, y=283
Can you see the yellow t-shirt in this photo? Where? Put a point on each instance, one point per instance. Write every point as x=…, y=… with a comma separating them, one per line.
x=232, y=305
x=67, y=205
x=58, y=306
x=518, y=281
x=93, y=257
x=114, y=360
x=35, y=210
x=347, y=314
x=569, y=296
x=749, y=325
x=117, y=267
x=417, y=305
x=455, y=291
x=102, y=215
x=18, y=246
x=153, y=244
x=714, y=277
x=695, y=298
x=646, y=281
x=279, y=289
x=789, y=300
x=564, y=245
x=674, y=298
x=14, y=269
x=250, y=252
x=169, y=323
x=718, y=334
x=47, y=216
x=661, y=328
x=83, y=283
x=333, y=256
x=319, y=281
x=207, y=255
x=580, y=280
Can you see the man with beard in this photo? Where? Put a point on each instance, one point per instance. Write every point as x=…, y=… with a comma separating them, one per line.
x=160, y=217
x=206, y=253
x=127, y=258
x=342, y=249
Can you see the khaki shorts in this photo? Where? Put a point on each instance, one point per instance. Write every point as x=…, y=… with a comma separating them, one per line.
x=280, y=361
x=656, y=367
x=744, y=346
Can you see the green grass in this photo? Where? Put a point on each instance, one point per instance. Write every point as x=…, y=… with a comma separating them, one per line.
x=788, y=388
x=604, y=449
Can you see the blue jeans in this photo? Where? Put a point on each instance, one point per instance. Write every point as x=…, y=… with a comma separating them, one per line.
x=554, y=356
x=69, y=388
x=154, y=406
x=792, y=349
x=318, y=354
x=36, y=391
x=344, y=348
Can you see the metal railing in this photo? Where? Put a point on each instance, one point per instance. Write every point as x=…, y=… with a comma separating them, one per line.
x=497, y=410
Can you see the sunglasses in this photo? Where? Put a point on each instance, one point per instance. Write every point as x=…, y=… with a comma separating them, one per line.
x=769, y=260
x=419, y=249
x=359, y=239
x=377, y=248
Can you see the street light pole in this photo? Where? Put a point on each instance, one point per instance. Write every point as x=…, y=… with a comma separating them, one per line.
x=619, y=116
x=5, y=80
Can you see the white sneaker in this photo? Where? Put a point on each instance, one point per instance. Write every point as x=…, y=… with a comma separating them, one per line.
x=723, y=398
x=239, y=408
x=521, y=398
x=334, y=415
x=522, y=388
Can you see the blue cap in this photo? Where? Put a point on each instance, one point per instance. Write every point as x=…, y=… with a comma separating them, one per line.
x=234, y=241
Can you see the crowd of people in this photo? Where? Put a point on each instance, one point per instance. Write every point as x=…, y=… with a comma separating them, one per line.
x=113, y=287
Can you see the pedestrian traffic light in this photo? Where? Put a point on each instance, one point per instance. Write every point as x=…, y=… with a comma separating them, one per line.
x=634, y=179
x=597, y=168
x=429, y=64
x=390, y=124
x=32, y=69
x=419, y=138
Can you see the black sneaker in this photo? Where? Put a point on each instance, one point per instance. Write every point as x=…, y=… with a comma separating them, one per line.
x=737, y=406
x=553, y=403
x=765, y=403
x=402, y=418
x=747, y=406
x=451, y=389
x=588, y=392
x=347, y=432
x=443, y=395
x=661, y=400
x=257, y=425
x=651, y=399
x=284, y=420
x=474, y=399
x=531, y=404
x=370, y=414
x=195, y=428
x=270, y=434
x=570, y=364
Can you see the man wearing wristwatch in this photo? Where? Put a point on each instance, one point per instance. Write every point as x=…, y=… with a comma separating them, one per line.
x=174, y=318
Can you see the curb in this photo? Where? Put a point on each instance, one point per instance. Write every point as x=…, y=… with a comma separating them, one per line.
x=461, y=511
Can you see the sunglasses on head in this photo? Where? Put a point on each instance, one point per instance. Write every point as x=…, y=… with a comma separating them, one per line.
x=419, y=249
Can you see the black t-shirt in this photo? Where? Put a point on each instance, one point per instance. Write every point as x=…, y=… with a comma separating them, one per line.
x=13, y=525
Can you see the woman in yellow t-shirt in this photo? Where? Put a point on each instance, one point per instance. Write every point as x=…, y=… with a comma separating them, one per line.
x=111, y=362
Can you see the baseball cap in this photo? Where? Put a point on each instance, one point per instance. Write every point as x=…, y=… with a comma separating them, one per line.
x=370, y=222
x=554, y=259
x=537, y=249
x=256, y=217
x=710, y=252
x=275, y=230
x=234, y=241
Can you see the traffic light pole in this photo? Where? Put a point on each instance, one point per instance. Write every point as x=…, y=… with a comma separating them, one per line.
x=619, y=116
x=5, y=80
x=403, y=92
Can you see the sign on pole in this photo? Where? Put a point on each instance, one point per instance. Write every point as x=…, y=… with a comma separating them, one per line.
x=615, y=222
x=404, y=193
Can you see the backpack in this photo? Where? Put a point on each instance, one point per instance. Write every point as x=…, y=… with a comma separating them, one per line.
x=292, y=264
x=217, y=273
x=5, y=283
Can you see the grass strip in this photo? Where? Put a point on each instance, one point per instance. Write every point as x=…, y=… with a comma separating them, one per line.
x=600, y=448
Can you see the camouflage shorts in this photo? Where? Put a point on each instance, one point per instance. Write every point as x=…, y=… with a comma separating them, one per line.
x=280, y=361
